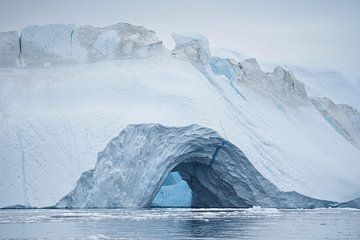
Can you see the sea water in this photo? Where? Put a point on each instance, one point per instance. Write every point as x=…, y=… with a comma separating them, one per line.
x=180, y=223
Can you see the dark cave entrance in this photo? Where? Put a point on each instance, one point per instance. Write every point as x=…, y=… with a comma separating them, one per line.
x=195, y=184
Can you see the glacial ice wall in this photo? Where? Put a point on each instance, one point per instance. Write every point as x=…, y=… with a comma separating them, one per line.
x=64, y=45
x=9, y=49
x=134, y=165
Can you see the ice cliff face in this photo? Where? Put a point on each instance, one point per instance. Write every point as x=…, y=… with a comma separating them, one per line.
x=279, y=83
x=55, y=120
x=9, y=49
x=192, y=47
x=345, y=119
x=62, y=45
x=133, y=166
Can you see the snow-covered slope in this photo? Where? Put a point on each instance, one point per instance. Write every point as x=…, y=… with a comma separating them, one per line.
x=54, y=120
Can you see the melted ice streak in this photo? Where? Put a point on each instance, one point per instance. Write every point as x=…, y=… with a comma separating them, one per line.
x=134, y=165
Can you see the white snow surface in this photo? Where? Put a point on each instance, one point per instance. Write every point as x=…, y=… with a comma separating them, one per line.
x=55, y=120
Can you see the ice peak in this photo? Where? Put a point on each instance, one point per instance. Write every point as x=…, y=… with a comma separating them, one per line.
x=284, y=81
x=279, y=70
x=280, y=83
x=251, y=64
x=192, y=46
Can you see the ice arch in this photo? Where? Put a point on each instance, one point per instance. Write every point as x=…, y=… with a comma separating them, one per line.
x=133, y=166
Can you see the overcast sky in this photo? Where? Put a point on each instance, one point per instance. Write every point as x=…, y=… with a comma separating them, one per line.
x=319, y=33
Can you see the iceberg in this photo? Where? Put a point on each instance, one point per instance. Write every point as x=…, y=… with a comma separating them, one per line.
x=67, y=90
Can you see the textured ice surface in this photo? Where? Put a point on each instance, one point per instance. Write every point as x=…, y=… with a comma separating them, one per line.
x=344, y=118
x=55, y=120
x=193, y=47
x=280, y=83
x=50, y=45
x=9, y=49
x=64, y=45
x=341, y=87
x=134, y=165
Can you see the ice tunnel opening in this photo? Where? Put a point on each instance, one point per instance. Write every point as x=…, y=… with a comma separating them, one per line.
x=194, y=183
x=174, y=192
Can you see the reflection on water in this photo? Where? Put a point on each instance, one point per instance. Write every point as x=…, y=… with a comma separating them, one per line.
x=256, y=223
